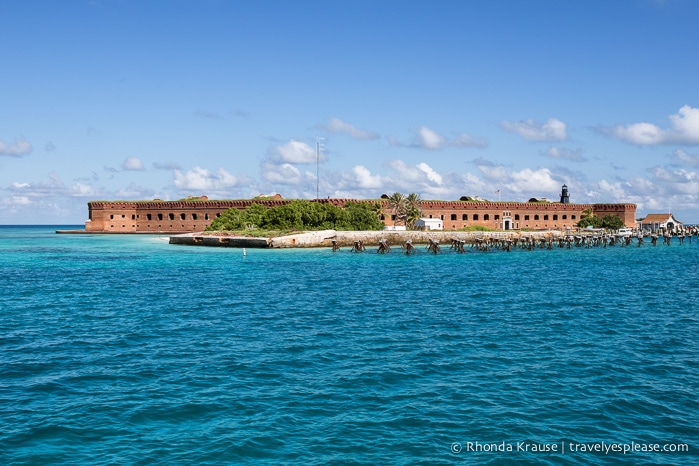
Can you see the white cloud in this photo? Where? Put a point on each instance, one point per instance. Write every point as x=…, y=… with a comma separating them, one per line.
x=615, y=191
x=284, y=173
x=296, y=152
x=534, y=181
x=684, y=129
x=365, y=179
x=494, y=173
x=552, y=130
x=531, y=183
x=16, y=149
x=432, y=175
x=83, y=190
x=640, y=133
x=132, y=164
x=420, y=178
x=336, y=125
x=429, y=139
x=202, y=179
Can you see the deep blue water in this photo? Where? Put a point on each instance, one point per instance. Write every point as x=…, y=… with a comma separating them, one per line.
x=128, y=350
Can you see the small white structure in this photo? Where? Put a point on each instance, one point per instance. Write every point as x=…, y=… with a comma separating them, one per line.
x=394, y=228
x=429, y=224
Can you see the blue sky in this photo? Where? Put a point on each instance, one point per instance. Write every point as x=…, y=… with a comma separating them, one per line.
x=127, y=99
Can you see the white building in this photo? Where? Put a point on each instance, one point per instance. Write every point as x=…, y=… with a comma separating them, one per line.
x=429, y=224
x=655, y=222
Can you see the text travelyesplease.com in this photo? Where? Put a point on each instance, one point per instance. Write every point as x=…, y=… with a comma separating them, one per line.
x=568, y=447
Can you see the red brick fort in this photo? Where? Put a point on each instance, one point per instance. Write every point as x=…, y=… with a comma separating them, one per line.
x=192, y=215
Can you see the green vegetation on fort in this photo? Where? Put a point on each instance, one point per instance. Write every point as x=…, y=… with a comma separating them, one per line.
x=609, y=222
x=301, y=215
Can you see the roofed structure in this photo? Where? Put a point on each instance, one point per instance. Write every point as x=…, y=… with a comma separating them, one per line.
x=654, y=222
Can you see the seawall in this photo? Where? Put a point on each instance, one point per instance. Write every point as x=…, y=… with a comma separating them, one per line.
x=324, y=238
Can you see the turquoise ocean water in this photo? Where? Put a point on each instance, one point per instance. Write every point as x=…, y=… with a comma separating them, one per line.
x=128, y=350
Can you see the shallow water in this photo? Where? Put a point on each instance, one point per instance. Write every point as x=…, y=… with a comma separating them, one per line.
x=125, y=349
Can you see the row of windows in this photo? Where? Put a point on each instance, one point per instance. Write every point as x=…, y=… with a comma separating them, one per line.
x=464, y=217
x=171, y=216
x=159, y=226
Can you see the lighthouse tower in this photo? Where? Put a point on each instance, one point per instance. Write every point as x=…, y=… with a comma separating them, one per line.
x=565, y=199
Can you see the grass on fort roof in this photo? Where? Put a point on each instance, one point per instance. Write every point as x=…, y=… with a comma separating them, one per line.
x=270, y=198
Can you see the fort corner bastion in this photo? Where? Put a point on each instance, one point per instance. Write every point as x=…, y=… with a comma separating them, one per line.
x=195, y=214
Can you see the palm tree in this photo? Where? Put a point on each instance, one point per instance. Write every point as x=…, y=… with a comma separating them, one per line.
x=413, y=209
x=397, y=203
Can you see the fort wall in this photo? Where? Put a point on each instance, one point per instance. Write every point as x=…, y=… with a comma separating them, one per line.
x=191, y=216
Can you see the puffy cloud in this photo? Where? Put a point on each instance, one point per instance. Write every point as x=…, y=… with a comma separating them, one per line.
x=681, y=181
x=429, y=139
x=639, y=133
x=296, y=152
x=432, y=175
x=284, y=173
x=684, y=129
x=420, y=178
x=564, y=153
x=552, y=130
x=202, y=179
x=83, y=190
x=335, y=125
x=364, y=178
x=614, y=190
x=18, y=148
x=534, y=181
x=132, y=164
x=492, y=172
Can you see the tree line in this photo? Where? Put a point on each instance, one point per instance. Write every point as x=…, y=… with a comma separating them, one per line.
x=609, y=221
x=301, y=215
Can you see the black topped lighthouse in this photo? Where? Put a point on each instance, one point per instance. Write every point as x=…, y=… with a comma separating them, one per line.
x=565, y=199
